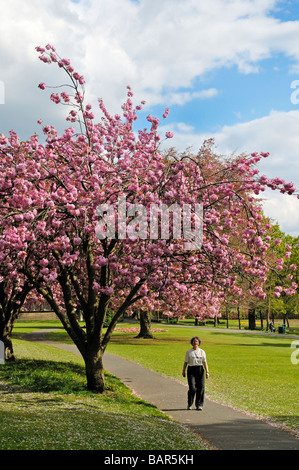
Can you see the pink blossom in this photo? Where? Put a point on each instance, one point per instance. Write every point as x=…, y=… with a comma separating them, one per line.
x=44, y=262
x=65, y=62
x=65, y=96
x=55, y=98
x=143, y=290
x=79, y=78
x=166, y=113
x=107, y=290
x=102, y=261
x=258, y=241
x=169, y=135
x=44, y=59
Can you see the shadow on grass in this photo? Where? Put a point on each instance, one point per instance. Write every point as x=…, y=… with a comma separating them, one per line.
x=156, y=341
x=44, y=376
x=41, y=376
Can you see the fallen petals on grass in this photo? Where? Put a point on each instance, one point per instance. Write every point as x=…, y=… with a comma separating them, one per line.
x=136, y=329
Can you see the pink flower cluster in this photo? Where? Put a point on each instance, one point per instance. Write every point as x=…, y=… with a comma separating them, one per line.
x=51, y=191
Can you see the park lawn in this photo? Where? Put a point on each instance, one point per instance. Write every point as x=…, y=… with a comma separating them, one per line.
x=252, y=372
x=44, y=406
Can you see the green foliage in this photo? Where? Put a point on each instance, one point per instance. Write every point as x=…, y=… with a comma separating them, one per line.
x=287, y=305
x=108, y=318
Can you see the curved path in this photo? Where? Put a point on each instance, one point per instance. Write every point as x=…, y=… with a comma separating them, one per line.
x=224, y=427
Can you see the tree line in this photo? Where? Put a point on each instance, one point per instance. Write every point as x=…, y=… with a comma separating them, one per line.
x=64, y=238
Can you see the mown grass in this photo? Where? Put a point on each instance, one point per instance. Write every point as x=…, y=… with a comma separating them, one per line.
x=44, y=405
x=251, y=372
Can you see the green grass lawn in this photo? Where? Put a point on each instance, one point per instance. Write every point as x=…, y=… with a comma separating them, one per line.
x=251, y=372
x=44, y=406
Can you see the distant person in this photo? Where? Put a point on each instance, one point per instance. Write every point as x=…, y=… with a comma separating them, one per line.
x=197, y=370
x=272, y=327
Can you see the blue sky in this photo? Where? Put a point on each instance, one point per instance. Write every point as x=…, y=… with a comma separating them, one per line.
x=240, y=97
x=223, y=67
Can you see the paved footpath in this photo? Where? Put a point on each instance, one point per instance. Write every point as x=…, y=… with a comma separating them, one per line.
x=224, y=427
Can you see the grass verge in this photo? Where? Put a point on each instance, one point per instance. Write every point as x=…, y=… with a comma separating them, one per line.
x=251, y=372
x=44, y=405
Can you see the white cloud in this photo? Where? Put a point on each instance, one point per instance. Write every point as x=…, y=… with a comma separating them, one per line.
x=278, y=134
x=183, y=97
x=159, y=47
x=156, y=47
x=284, y=210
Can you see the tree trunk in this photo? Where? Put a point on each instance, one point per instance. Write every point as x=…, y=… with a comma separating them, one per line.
x=239, y=319
x=261, y=318
x=145, y=325
x=8, y=349
x=251, y=318
x=94, y=371
x=89, y=340
x=11, y=303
